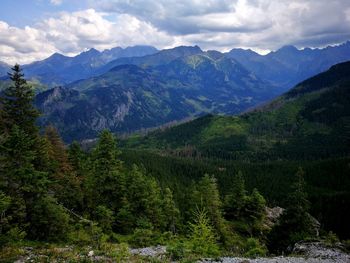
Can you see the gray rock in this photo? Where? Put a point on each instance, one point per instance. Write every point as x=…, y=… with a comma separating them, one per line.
x=149, y=251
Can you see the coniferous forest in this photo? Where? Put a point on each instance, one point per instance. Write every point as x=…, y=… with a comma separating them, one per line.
x=105, y=197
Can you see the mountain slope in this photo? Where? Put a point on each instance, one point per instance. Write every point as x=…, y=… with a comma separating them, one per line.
x=59, y=70
x=288, y=66
x=129, y=98
x=310, y=121
x=164, y=56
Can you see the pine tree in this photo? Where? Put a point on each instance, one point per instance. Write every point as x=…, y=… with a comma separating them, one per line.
x=77, y=159
x=295, y=223
x=24, y=163
x=144, y=197
x=207, y=197
x=253, y=212
x=203, y=240
x=104, y=181
x=235, y=201
x=170, y=211
x=17, y=104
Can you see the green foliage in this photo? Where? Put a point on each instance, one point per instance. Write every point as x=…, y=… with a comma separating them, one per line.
x=17, y=104
x=49, y=220
x=202, y=239
x=234, y=202
x=253, y=248
x=170, y=212
x=88, y=233
x=309, y=122
x=119, y=252
x=206, y=196
x=65, y=183
x=331, y=238
x=5, y=202
x=143, y=237
x=104, y=182
x=295, y=223
x=105, y=218
x=178, y=249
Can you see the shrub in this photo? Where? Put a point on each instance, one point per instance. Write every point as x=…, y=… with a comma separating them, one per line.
x=177, y=250
x=203, y=239
x=331, y=238
x=143, y=237
x=49, y=220
x=253, y=248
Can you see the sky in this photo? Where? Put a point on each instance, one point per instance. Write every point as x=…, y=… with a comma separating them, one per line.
x=34, y=29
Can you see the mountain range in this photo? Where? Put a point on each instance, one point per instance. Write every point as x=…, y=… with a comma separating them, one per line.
x=139, y=87
x=129, y=97
x=311, y=121
x=60, y=70
x=288, y=66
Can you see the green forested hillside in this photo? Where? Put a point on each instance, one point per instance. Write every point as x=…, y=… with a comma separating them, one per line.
x=308, y=127
x=327, y=180
x=311, y=121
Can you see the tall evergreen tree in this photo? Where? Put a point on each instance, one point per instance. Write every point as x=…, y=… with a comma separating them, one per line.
x=295, y=223
x=105, y=178
x=170, y=211
x=142, y=198
x=235, y=201
x=207, y=197
x=77, y=158
x=17, y=103
x=23, y=157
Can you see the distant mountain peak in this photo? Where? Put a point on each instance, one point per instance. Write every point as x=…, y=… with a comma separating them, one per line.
x=195, y=48
x=56, y=55
x=243, y=50
x=92, y=50
x=91, y=53
x=288, y=48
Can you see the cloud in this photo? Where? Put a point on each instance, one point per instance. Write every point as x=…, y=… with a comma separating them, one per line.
x=70, y=33
x=246, y=23
x=211, y=24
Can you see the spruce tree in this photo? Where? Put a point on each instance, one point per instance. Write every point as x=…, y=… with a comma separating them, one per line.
x=203, y=238
x=17, y=104
x=235, y=201
x=24, y=163
x=170, y=211
x=207, y=197
x=295, y=223
x=104, y=183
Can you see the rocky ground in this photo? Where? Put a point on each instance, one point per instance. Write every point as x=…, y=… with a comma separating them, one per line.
x=304, y=252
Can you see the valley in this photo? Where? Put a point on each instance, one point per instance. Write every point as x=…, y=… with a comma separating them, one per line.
x=210, y=146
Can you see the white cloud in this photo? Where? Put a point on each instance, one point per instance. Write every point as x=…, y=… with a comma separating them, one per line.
x=70, y=33
x=258, y=24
